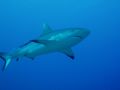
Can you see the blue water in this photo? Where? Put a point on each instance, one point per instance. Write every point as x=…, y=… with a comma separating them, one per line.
x=97, y=58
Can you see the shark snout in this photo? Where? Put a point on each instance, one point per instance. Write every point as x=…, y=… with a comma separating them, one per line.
x=82, y=33
x=86, y=32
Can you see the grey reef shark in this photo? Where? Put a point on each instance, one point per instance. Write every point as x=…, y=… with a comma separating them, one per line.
x=49, y=41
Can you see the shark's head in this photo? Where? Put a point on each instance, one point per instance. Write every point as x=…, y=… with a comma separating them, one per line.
x=80, y=32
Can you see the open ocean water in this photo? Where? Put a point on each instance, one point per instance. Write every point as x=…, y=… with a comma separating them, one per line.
x=97, y=58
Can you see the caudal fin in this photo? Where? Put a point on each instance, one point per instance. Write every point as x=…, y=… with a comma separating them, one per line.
x=6, y=58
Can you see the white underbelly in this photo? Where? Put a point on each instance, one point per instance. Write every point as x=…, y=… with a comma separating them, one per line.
x=36, y=49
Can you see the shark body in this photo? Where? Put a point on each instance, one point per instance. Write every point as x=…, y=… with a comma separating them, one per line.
x=49, y=41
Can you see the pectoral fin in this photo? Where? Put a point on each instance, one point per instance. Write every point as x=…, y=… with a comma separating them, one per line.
x=68, y=52
x=45, y=42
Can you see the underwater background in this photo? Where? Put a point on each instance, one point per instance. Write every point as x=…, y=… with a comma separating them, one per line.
x=97, y=58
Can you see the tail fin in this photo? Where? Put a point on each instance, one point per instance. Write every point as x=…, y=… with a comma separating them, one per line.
x=6, y=58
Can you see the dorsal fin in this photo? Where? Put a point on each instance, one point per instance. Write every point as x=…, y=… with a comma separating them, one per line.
x=46, y=29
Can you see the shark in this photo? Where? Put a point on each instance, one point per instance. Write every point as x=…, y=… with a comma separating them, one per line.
x=61, y=40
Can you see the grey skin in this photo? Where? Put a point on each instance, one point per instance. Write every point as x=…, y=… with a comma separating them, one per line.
x=49, y=41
